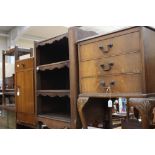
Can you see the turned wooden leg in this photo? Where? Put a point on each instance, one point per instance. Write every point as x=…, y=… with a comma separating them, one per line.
x=81, y=104
x=145, y=107
x=153, y=112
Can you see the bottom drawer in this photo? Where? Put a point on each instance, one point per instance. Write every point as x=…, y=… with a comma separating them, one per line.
x=126, y=83
x=26, y=118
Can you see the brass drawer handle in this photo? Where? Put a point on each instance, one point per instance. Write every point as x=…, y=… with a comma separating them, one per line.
x=111, y=84
x=106, y=48
x=102, y=83
x=107, y=67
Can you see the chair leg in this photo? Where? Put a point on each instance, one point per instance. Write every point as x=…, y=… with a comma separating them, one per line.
x=144, y=106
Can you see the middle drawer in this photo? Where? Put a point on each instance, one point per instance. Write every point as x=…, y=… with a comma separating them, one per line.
x=127, y=63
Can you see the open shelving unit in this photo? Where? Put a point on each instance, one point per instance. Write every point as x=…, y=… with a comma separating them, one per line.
x=56, y=79
x=53, y=82
x=8, y=106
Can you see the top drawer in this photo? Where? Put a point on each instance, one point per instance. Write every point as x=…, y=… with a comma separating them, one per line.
x=110, y=47
x=24, y=64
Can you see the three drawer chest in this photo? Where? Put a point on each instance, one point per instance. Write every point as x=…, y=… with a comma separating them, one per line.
x=117, y=64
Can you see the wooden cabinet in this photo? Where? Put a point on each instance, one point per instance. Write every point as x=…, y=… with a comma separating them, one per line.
x=24, y=81
x=118, y=64
x=121, y=60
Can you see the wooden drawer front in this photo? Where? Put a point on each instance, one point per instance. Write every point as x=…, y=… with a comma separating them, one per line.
x=114, y=46
x=26, y=118
x=127, y=63
x=24, y=64
x=123, y=84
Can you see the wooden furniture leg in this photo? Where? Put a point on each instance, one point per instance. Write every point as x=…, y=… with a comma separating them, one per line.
x=145, y=106
x=81, y=104
x=128, y=109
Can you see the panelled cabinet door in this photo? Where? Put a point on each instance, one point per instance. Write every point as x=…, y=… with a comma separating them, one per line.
x=19, y=91
x=25, y=92
x=28, y=92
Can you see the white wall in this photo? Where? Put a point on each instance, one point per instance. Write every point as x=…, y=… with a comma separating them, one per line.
x=25, y=43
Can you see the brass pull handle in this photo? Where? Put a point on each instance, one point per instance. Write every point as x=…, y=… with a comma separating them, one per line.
x=112, y=83
x=107, y=67
x=106, y=48
x=102, y=83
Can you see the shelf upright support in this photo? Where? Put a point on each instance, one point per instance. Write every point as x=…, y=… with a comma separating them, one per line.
x=3, y=77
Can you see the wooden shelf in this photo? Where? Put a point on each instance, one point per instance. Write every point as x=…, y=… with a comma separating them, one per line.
x=56, y=116
x=9, y=93
x=52, y=66
x=11, y=52
x=53, y=93
x=8, y=107
x=9, y=89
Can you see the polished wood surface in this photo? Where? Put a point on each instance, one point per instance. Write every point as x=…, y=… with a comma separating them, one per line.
x=117, y=83
x=109, y=47
x=25, y=64
x=128, y=62
x=112, y=65
x=25, y=106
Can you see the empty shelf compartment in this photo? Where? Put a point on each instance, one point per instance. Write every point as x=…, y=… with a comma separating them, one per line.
x=50, y=106
x=53, y=52
x=53, y=79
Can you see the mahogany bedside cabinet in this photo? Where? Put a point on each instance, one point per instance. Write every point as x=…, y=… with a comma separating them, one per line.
x=113, y=65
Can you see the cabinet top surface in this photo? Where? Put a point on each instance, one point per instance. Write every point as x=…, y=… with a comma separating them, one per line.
x=112, y=32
